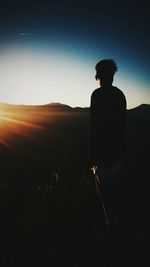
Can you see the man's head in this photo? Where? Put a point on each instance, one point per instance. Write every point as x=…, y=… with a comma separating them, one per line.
x=105, y=70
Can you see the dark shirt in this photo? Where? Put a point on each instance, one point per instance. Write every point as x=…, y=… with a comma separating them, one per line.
x=107, y=114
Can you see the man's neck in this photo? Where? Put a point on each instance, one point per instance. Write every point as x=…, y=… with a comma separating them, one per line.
x=106, y=85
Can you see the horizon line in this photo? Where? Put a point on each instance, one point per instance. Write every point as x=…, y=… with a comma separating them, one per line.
x=58, y=103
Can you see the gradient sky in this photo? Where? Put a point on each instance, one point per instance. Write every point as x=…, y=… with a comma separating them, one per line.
x=48, y=50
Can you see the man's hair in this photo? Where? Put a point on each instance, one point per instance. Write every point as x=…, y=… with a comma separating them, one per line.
x=105, y=68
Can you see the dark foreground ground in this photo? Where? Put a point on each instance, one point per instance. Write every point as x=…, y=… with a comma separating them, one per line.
x=48, y=206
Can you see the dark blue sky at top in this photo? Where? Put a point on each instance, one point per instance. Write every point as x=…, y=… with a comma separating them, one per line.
x=117, y=28
x=123, y=23
x=117, y=25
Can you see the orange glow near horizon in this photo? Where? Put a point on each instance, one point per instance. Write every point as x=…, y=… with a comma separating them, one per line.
x=16, y=122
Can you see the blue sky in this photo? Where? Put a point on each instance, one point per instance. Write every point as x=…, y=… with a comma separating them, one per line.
x=49, y=50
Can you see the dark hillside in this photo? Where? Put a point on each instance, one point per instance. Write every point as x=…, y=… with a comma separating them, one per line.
x=47, y=196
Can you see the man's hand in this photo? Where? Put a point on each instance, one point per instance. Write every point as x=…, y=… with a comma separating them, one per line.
x=93, y=169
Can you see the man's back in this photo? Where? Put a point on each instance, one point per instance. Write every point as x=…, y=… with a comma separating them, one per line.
x=108, y=110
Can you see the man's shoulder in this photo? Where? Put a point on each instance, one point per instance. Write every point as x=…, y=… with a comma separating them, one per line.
x=118, y=91
x=96, y=91
x=120, y=97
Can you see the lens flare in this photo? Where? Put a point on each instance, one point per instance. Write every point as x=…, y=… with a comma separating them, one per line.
x=17, y=121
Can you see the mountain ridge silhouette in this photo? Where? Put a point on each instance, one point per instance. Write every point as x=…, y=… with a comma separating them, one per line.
x=56, y=106
x=64, y=107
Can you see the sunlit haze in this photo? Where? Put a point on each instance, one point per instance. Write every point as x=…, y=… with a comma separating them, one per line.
x=38, y=76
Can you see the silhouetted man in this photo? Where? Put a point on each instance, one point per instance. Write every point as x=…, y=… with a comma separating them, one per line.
x=107, y=147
